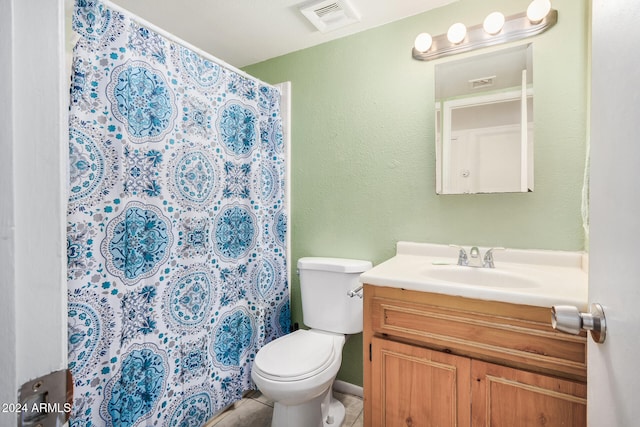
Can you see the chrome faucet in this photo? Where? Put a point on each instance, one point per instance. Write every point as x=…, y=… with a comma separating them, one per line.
x=487, y=261
x=474, y=259
x=463, y=259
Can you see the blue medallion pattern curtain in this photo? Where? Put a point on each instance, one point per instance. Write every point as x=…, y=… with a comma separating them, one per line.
x=176, y=226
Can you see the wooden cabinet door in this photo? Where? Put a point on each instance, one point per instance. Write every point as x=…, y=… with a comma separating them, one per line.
x=507, y=397
x=418, y=387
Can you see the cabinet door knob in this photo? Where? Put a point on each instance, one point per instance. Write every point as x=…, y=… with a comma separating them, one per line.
x=567, y=318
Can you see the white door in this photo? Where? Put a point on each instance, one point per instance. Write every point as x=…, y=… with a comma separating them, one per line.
x=33, y=107
x=614, y=275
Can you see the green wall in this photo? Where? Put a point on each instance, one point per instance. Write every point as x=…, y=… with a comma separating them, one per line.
x=363, y=156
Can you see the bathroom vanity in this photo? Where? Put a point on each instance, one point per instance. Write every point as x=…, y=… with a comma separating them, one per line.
x=464, y=348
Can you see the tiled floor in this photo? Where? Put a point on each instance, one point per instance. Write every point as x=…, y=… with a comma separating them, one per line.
x=255, y=411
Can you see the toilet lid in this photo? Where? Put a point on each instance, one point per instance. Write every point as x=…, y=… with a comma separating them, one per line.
x=296, y=356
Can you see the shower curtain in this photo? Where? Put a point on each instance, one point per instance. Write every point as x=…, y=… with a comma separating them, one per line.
x=176, y=225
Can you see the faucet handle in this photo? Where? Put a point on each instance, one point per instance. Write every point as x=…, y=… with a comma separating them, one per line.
x=463, y=259
x=487, y=261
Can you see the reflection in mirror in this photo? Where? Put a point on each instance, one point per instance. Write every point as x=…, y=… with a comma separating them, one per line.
x=484, y=123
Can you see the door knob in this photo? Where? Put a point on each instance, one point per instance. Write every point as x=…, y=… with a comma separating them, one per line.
x=567, y=318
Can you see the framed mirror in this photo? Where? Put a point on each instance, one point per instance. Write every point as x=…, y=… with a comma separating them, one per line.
x=484, y=123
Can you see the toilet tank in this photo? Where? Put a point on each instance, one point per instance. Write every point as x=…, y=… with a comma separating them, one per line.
x=324, y=283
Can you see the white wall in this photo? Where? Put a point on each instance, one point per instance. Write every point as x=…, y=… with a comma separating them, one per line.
x=33, y=134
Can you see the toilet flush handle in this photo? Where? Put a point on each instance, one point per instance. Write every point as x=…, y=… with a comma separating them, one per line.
x=355, y=292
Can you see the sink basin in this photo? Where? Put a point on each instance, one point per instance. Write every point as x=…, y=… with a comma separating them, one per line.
x=530, y=277
x=472, y=276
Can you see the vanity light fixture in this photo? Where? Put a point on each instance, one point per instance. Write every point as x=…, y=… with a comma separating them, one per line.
x=423, y=42
x=457, y=32
x=537, y=10
x=493, y=23
x=495, y=29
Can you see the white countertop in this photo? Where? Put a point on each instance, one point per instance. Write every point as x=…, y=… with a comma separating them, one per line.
x=557, y=277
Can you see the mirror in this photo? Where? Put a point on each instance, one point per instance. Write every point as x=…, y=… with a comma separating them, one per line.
x=484, y=123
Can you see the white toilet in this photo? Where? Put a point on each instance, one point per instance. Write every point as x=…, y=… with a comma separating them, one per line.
x=297, y=370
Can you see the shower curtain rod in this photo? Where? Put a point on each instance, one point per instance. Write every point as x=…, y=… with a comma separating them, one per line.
x=182, y=42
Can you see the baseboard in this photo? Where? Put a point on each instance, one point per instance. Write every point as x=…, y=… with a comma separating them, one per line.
x=348, y=388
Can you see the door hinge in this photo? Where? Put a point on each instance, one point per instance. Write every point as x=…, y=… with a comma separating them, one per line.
x=369, y=352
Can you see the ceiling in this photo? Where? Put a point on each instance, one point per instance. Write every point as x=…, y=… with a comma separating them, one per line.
x=244, y=32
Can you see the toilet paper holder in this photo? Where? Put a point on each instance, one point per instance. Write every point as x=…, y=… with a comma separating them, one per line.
x=567, y=318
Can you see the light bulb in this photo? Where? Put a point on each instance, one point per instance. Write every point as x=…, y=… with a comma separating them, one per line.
x=423, y=42
x=537, y=10
x=493, y=23
x=457, y=32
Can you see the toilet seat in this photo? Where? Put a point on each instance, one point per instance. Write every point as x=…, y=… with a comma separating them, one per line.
x=296, y=356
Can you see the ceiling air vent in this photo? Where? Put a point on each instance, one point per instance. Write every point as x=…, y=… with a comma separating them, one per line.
x=330, y=15
x=482, y=82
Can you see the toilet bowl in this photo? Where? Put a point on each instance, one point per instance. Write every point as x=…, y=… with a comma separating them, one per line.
x=297, y=371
